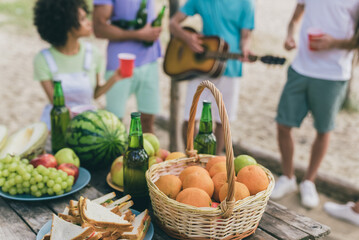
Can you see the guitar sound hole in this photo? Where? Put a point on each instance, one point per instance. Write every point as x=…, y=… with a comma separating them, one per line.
x=200, y=57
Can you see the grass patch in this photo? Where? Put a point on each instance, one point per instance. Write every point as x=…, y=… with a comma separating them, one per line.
x=17, y=12
x=20, y=12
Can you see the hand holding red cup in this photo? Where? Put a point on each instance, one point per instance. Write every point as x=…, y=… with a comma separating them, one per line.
x=312, y=34
x=127, y=64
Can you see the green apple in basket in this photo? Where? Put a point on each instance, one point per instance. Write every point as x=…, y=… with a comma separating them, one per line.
x=243, y=160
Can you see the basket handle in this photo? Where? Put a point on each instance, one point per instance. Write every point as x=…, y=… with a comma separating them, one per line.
x=228, y=204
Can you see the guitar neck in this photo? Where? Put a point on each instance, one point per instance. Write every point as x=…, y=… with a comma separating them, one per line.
x=228, y=55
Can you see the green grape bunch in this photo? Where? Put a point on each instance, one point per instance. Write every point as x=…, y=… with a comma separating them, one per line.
x=18, y=176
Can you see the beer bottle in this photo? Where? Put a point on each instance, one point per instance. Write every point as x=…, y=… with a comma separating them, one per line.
x=135, y=164
x=141, y=16
x=205, y=141
x=157, y=23
x=60, y=118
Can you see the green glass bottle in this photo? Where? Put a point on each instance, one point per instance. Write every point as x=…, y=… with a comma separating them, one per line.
x=141, y=16
x=205, y=141
x=60, y=118
x=135, y=164
x=157, y=23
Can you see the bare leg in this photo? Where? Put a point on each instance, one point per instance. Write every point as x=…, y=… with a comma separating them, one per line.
x=319, y=149
x=219, y=133
x=184, y=132
x=147, y=121
x=286, y=147
x=356, y=207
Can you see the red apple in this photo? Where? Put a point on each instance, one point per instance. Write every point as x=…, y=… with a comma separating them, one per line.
x=70, y=169
x=46, y=160
x=215, y=204
x=162, y=153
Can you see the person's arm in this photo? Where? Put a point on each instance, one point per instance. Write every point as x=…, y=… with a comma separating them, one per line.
x=289, y=43
x=102, y=29
x=245, y=44
x=327, y=42
x=99, y=90
x=48, y=88
x=193, y=40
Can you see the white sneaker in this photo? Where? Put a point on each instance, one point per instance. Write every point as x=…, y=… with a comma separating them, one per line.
x=342, y=211
x=284, y=186
x=308, y=193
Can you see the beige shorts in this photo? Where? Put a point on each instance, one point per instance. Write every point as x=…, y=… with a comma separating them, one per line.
x=228, y=86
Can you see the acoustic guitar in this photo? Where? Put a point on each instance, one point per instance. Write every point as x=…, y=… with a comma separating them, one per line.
x=181, y=63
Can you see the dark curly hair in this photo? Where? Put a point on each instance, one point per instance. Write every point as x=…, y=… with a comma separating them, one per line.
x=55, y=18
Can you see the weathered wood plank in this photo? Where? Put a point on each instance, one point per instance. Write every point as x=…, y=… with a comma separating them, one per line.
x=280, y=229
x=12, y=227
x=306, y=224
x=36, y=214
x=260, y=235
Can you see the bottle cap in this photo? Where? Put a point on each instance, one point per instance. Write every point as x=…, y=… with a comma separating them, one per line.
x=206, y=102
x=135, y=114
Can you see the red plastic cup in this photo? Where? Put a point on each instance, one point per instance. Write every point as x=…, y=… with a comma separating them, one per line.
x=314, y=33
x=127, y=63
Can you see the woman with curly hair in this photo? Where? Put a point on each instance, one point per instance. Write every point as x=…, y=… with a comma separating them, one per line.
x=77, y=65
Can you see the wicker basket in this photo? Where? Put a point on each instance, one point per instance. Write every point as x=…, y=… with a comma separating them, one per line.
x=232, y=220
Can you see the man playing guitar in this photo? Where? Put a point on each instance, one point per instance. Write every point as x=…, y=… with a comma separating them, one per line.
x=233, y=21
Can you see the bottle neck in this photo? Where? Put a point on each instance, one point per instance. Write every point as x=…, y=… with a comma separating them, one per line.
x=205, y=124
x=160, y=15
x=143, y=4
x=58, y=99
x=135, y=138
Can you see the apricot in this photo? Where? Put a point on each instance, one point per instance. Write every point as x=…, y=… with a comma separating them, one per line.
x=185, y=172
x=254, y=178
x=240, y=191
x=170, y=185
x=218, y=180
x=199, y=180
x=175, y=155
x=218, y=167
x=194, y=197
x=215, y=160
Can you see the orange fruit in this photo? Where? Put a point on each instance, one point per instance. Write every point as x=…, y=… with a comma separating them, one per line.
x=199, y=180
x=175, y=155
x=254, y=177
x=215, y=160
x=188, y=170
x=195, y=197
x=170, y=185
x=218, y=180
x=216, y=168
x=240, y=191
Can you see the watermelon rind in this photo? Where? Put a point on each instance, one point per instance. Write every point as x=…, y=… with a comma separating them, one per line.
x=97, y=137
x=3, y=136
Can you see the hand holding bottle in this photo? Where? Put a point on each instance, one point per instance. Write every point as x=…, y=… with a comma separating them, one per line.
x=149, y=33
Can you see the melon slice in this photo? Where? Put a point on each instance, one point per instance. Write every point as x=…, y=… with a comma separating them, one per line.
x=3, y=136
x=27, y=142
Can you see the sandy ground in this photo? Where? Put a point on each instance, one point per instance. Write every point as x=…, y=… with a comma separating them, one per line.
x=22, y=100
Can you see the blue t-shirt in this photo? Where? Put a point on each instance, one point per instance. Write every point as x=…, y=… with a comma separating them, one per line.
x=226, y=19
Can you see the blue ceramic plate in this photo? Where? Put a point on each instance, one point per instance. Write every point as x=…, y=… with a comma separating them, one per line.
x=47, y=228
x=82, y=181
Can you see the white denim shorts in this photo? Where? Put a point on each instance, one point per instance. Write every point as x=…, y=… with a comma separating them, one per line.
x=228, y=86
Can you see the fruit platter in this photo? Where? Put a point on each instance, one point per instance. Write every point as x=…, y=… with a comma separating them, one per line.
x=29, y=174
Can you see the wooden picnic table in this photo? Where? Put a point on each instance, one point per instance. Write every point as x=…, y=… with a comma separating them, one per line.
x=23, y=220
